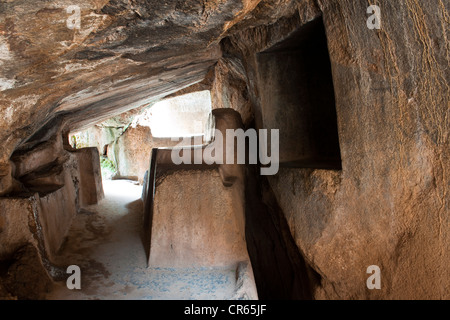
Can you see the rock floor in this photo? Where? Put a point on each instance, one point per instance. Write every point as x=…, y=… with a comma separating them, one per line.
x=105, y=242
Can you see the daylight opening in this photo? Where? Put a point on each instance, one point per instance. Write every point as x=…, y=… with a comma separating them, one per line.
x=125, y=141
x=181, y=116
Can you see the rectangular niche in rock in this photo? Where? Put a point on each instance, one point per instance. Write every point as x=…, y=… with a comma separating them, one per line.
x=297, y=97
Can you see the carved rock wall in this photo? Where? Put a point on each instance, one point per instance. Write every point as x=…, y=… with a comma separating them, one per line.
x=389, y=204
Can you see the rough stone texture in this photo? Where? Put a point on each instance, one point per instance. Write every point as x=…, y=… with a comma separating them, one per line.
x=4, y=294
x=131, y=151
x=47, y=179
x=15, y=214
x=124, y=55
x=280, y=269
x=96, y=136
x=295, y=82
x=245, y=283
x=389, y=205
x=106, y=132
x=229, y=89
x=26, y=277
x=53, y=184
x=128, y=149
x=22, y=251
x=7, y=181
x=43, y=218
x=38, y=157
x=56, y=214
x=112, y=64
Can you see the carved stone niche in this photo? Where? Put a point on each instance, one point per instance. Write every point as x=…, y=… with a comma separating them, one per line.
x=297, y=97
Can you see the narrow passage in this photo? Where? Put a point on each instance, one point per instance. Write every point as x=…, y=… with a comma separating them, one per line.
x=105, y=242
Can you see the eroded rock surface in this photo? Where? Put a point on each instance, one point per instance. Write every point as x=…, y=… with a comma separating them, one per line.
x=25, y=277
x=387, y=204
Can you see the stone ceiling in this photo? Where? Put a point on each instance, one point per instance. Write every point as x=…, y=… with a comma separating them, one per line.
x=125, y=54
